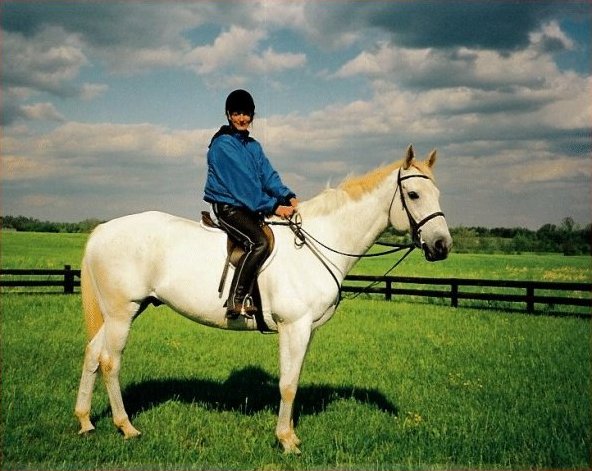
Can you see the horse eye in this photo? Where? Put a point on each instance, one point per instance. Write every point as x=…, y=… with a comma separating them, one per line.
x=413, y=195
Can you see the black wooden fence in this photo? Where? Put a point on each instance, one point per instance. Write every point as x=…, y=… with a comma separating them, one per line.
x=67, y=278
x=513, y=291
x=528, y=293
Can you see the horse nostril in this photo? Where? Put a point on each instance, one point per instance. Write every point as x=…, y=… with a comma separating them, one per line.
x=441, y=247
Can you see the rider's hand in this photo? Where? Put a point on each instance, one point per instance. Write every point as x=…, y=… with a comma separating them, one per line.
x=285, y=211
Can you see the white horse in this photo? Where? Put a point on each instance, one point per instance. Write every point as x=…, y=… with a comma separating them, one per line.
x=156, y=257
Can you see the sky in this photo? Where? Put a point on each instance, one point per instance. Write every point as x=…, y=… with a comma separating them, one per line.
x=107, y=107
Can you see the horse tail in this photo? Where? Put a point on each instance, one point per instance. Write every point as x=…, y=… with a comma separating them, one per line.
x=93, y=315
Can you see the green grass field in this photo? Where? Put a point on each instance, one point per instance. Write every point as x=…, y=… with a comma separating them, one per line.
x=395, y=385
x=41, y=250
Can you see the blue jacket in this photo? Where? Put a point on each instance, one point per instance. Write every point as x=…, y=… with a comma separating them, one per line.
x=240, y=174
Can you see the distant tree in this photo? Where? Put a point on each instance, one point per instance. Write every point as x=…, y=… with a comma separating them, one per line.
x=465, y=239
x=522, y=243
x=569, y=245
x=88, y=225
x=548, y=238
x=568, y=225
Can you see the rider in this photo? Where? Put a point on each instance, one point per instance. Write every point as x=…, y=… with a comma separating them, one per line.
x=243, y=188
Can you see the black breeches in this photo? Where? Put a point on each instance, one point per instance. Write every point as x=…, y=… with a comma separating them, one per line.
x=245, y=228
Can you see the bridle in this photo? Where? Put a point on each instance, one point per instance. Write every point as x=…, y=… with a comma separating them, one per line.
x=413, y=223
x=302, y=236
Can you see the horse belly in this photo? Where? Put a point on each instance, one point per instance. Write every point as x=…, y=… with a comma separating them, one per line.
x=189, y=276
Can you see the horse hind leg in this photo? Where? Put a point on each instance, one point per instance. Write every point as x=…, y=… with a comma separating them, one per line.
x=104, y=351
x=95, y=331
x=108, y=336
x=87, y=382
x=110, y=362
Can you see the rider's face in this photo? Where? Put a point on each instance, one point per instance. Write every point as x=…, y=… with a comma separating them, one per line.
x=240, y=120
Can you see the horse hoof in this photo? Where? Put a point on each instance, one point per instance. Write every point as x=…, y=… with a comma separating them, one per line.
x=86, y=425
x=86, y=430
x=291, y=446
x=292, y=450
x=128, y=430
x=131, y=433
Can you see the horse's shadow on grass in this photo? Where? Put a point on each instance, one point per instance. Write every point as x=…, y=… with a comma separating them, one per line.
x=248, y=391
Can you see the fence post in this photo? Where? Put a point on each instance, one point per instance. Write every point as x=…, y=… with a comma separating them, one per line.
x=388, y=294
x=454, y=293
x=530, y=299
x=68, y=280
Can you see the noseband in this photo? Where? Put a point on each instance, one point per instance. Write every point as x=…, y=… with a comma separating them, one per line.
x=415, y=225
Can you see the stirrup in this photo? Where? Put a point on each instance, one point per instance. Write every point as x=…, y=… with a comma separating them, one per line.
x=241, y=310
x=245, y=309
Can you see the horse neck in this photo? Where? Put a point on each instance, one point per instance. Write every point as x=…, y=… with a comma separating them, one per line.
x=355, y=226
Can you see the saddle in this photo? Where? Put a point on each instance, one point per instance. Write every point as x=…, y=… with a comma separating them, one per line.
x=233, y=254
x=233, y=250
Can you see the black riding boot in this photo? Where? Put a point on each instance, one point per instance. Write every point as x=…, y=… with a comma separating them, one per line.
x=240, y=302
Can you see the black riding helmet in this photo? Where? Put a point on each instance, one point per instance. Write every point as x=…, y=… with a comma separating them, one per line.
x=240, y=101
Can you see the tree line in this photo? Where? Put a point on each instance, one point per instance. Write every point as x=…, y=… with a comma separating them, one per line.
x=27, y=224
x=567, y=238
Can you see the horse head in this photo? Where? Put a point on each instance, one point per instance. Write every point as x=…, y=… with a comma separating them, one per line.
x=415, y=207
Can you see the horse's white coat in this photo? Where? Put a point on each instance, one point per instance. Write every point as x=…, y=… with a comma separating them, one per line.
x=180, y=262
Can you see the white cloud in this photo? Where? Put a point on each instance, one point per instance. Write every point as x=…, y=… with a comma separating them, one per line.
x=550, y=38
x=571, y=107
x=18, y=168
x=550, y=169
x=47, y=61
x=280, y=14
x=80, y=148
x=127, y=60
x=42, y=111
x=228, y=47
x=270, y=61
x=237, y=51
x=90, y=91
x=434, y=68
x=470, y=94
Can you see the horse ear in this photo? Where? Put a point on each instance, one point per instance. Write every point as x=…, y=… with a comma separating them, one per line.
x=408, y=157
x=432, y=158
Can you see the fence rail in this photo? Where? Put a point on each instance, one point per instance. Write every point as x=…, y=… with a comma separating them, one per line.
x=525, y=292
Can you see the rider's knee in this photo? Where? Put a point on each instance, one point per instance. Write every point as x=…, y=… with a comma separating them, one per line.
x=261, y=246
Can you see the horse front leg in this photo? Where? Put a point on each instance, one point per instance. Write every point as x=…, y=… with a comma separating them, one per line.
x=294, y=341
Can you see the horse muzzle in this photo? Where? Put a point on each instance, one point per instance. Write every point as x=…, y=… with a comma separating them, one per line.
x=438, y=249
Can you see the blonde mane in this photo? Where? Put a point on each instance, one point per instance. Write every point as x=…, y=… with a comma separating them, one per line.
x=353, y=188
